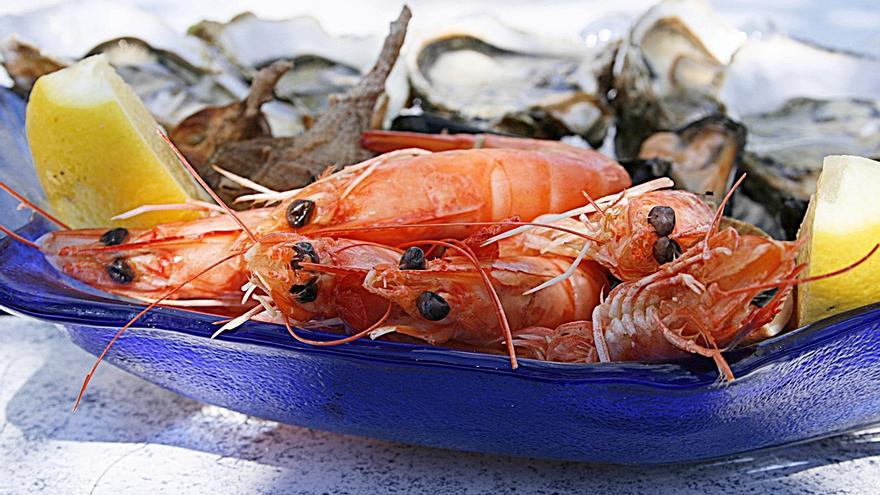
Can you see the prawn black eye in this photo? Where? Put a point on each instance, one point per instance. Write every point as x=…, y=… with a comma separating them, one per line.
x=432, y=306
x=300, y=212
x=662, y=218
x=666, y=250
x=412, y=259
x=306, y=292
x=303, y=250
x=120, y=271
x=114, y=237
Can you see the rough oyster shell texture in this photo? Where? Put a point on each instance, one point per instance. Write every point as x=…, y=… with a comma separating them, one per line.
x=798, y=102
x=174, y=74
x=323, y=64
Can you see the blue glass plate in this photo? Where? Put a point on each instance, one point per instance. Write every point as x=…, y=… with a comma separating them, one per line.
x=820, y=380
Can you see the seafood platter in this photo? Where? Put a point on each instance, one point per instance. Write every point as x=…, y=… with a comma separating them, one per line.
x=660, y=247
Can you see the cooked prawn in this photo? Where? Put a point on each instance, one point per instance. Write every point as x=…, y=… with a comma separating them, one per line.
x=632, y=235
x=416, y=187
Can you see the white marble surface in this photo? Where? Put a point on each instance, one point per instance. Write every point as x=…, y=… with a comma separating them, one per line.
x=133, y=437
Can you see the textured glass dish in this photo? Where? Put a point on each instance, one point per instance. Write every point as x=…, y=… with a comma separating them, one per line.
x=817, y=381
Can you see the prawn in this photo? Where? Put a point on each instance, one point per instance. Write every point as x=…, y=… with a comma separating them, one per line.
x=640, y=228
x=723, y=289
x=715, y=296
x=442, y=189
x=473, y=298
x=446, y=300
x=701, y=303
x=145, y=263
x=635, y=233
x=385, y=141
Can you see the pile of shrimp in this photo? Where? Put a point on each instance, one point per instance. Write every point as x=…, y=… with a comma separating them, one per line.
x=528, y=248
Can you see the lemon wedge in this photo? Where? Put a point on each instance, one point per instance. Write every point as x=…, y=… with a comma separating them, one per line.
x=841, y=226
x=96, y=150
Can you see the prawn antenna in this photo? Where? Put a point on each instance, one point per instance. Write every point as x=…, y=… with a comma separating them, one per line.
x=205, y=186
x=137, y=317
x=593, y=202
x=43, y=213
x=332, y=231
x=350, y=338
x=716, y=220
x=19, y=238
x=815, y=278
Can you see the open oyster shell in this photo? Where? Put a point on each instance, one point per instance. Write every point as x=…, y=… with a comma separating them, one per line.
x=800, y=103
x=173, y=74
x=704, y=155
x=494, y=77
x=766, y=73
x=667, y=73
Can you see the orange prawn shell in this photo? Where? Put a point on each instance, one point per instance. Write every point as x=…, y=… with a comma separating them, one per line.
x=161, y=258
x=454, y=186
x=689, y=306
x=472, y=318
x=625, y=238
x=338, y=284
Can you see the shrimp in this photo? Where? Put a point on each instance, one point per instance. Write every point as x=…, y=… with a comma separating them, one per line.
x=637, y=232
x=449, y=300
x=445, y=301
x=633, y=236
x=145, y=263
x=719, y=293
x=441, y=189
x=142, y=264
x=319, y=278
x=701, y=303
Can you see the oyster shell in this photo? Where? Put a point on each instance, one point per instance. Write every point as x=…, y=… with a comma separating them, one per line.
x=800, y=102
x=685, y=45
x=70, y=30
x=174, y=75
x=785, y=150
x=323, y=64
x=25, y=64
x=767, y=73
x=199, y=135
x=668, y=72
x=170, y=88
x=499, y=79
x=704, y=155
